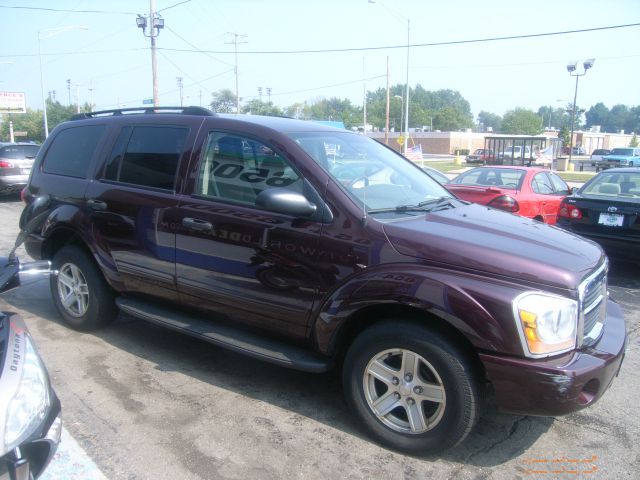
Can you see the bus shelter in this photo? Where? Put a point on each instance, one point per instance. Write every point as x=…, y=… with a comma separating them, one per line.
x=523, y=150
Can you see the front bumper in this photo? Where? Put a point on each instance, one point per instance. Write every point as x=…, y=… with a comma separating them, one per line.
x=564, y=384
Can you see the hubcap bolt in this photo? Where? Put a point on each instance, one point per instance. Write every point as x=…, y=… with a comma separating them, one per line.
x=397, y=395
x=408, y=377
x=410, y=401
x=417, y=390
x=395, y=380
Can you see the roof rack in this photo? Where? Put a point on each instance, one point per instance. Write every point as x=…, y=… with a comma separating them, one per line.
x=145, y=110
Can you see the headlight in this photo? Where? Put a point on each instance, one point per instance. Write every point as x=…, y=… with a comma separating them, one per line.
x=547, y=323
x=31, y=401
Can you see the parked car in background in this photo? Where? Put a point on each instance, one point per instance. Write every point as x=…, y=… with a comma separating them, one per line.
x=480, y=155
x=16, y=160
x=437, y=175
x=606, y=210
x=527, y=191
x=598, y=154
x=622, y=157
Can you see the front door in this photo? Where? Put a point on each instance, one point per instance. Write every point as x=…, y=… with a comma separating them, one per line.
x=239, y=261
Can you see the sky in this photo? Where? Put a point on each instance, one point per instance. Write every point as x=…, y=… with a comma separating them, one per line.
x=305, y=50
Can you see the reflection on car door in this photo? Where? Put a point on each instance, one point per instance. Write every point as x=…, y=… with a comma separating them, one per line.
x=247, y=264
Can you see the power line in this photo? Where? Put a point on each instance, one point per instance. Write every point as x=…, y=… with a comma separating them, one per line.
x=413, y=45
x=62, y=10
x=175, y=5
x=197, y=49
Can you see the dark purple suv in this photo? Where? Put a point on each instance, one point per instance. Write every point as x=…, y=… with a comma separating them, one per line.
x=313, y=248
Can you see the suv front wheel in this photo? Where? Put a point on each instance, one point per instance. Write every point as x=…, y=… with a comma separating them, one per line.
x=412, y=388
x=80, y=293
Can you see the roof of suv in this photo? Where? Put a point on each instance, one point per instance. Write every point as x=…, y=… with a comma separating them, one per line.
x=281, y=124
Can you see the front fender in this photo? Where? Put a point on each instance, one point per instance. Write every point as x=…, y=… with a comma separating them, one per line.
x=478, y=307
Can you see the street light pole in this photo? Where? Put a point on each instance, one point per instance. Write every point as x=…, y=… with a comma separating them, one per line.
x=48, y=33
x=587, y=64
x=406, y=114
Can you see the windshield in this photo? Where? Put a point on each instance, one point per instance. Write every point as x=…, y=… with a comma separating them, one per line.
x=622, y=151
x=614, y=184
x=373, y=175
x=18, y=152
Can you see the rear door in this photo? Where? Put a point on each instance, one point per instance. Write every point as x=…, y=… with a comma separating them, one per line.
x=239, y=261
x=550, y=190
x=132, y=204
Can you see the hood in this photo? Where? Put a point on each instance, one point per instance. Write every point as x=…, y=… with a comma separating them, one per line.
x=475, y=237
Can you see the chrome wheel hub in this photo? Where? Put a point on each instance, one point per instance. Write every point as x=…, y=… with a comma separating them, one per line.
x=404, y=391
x=73, y=290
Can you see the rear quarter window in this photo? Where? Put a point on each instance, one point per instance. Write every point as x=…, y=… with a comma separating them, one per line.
x=72, y=149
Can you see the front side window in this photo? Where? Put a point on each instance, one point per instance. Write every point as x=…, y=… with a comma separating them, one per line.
x=72, y=149
x=147, y=156
x=559, y=185
x=236, y=169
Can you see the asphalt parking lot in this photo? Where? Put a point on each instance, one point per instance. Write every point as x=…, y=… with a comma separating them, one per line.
x=147, y=403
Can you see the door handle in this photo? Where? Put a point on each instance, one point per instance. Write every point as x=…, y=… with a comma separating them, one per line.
x=97, y=204
x=197, y=224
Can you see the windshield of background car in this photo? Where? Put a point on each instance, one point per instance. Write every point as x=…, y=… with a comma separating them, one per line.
x=622, y=151
x=18, y=152
x=509, y=178
x=614, y=184
x=372, y=174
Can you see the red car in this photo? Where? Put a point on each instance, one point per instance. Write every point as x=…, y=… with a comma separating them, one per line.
x=527, y=191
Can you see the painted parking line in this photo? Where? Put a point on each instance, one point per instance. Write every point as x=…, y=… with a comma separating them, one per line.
x=71, y=462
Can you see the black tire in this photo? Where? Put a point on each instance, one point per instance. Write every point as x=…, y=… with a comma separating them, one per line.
x=90, y=302
x=445, y=373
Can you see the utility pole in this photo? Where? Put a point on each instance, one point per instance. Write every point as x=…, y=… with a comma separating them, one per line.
x=386, y=127
x=235, y=42
x=179, y=79
x=156, y=23
x=364, y=100
x=269, y=94
x=69, y=89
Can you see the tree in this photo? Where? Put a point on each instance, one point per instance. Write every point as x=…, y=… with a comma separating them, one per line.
x=564, y=135
x=224, y=101
x=336, y=109
x=598, y=114
x=258, y=107
x=30, y=122
x=522, y=121
x=634, y=141
x=487, y=119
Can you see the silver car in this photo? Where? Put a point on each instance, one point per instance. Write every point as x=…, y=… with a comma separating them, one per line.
x=16, y=160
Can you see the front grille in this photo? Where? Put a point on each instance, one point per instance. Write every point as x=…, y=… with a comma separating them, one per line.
x=593, y=305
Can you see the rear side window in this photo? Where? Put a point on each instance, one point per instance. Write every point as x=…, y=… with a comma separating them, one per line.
x=71, y=152
x=147, y=156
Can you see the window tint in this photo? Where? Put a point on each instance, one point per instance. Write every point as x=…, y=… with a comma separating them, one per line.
x=541, y=184
x=237, y=169
x=71, y=151
x=113, y=166
x=151, y=157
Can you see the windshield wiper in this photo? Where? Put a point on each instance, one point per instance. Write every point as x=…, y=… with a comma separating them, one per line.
x=424, y=206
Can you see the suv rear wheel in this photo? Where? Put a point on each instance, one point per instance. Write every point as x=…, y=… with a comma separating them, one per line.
x=80, y=293
x=412, y=388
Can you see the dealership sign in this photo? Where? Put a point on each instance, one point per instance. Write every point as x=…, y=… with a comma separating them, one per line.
x=12, y=102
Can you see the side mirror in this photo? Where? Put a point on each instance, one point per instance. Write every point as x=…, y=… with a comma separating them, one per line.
x=281, y=200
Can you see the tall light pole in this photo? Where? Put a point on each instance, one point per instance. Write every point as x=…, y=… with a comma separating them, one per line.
x=571, y=68
x=235, y=42
x=156, y=23
x=42, y=35
x=406, y=94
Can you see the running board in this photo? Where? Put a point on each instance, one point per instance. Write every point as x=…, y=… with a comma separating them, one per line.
x=241, y=341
